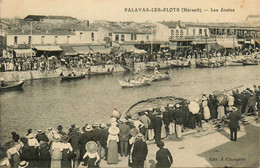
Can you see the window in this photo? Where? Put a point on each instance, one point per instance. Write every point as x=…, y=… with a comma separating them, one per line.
x=172, y=32
x=147, y=36
x=177, y=33
x=15, y=40
x=42, y=39
x=194, y=31
x=29, y=40
x=55, y=39
x=110, y=34
x=133, y=36
x=92, y=37
x=68, y=39
x=187, y=31
x=181, y=33
x=205, y=32
x=117, y=38
x=200, y=32
x=80, y=35
x=122, y=37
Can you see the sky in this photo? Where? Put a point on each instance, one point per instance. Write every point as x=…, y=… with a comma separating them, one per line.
x=121, y=10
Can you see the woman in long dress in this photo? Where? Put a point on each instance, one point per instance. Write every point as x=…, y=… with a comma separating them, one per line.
x=55, y=150
x=112, y=155
x=205, y=109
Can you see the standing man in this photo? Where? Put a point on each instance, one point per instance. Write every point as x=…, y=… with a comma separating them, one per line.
x=179, y=121
x=157, y=127
x=166, y=120
x=140, y=151
x=233, y=124
x=146, y=121
x=124, y=137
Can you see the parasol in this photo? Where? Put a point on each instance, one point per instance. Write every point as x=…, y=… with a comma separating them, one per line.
x=2, y=79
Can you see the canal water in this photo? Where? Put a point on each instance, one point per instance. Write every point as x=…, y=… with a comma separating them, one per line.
x=52, y=102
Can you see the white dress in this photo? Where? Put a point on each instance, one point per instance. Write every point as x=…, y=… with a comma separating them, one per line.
x=206, y=110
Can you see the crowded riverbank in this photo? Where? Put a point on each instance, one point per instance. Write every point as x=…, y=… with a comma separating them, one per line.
x=91, y=143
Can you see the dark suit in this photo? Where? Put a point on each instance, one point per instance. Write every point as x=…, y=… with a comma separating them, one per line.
x=233, y=124
x=103, y=140
x=157, y=128
x=139, y=154
x=123, y=138
x=164, y=158
x=166, y=121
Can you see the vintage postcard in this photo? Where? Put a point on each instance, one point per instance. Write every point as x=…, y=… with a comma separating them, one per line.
x=129, y=83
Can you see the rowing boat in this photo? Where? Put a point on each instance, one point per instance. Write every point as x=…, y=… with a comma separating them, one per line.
x=133, y=83
x=12, y=86
x=73, y=77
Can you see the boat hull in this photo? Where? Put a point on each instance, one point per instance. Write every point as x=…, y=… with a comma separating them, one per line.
x=15, y=86
x=68, y=78
x=125, y=84
x=100, y=73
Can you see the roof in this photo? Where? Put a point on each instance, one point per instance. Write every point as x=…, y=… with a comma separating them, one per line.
x=39, y=32
x=173, y=24
x=34, y=17
x=68, y=50
x=130, y=30
x=59, y=17
x=253, y=16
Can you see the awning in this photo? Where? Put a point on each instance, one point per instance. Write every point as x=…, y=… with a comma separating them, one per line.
x=173, y=46
x=131, y=48
x=68, y=50
x=203, y=41
x=82, y=49
x=24, y=53
x=258, y=41
x=100, y=49
x=48, y=48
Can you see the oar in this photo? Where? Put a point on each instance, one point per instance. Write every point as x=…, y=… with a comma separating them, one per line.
x=232, y=88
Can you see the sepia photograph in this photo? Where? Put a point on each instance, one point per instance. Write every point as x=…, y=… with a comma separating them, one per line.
x=129, y=83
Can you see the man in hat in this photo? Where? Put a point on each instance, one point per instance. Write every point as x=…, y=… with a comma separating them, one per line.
x=96, y=132
x=179, y=121
x=171, y=112
x=85, y=138
x=166, y=119
x=41, y=136
x=74, y=136
x=103, y=138
x=123, y=137
x=59, y=128
x=251, y=104
x=139, y=152
x=151, y=125
x=233, y=123
x=146, y=121
x=157, y=127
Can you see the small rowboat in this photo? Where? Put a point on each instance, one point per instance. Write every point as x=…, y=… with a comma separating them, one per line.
x=149, y=67
x=100, y=72
x=233, y=63
x=160, y=77
x=67, y=78
x=133, y=83
x=12, y=86
x=250, y=62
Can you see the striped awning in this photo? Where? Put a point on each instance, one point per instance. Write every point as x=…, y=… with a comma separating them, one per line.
x=82, y=49
x=68, y=50
x=48, y=48
x=100, y=49
x=24, y=53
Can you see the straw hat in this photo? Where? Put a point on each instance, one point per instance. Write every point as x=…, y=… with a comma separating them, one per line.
x=177, y=105
x=30, y=136
x=96, y=125
x=113, y=119
x=23, y=164
x=171, y=105
x=56, y=137
x=234, y=109
x=40, y=131
x=103, y=126
x=123, y=120
x=150, y=109
x=196, y=100
x=88, y=128
x=162, y=109
x=91, y=147
x=113, y=130
x=139, y=136
x=204, y=98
